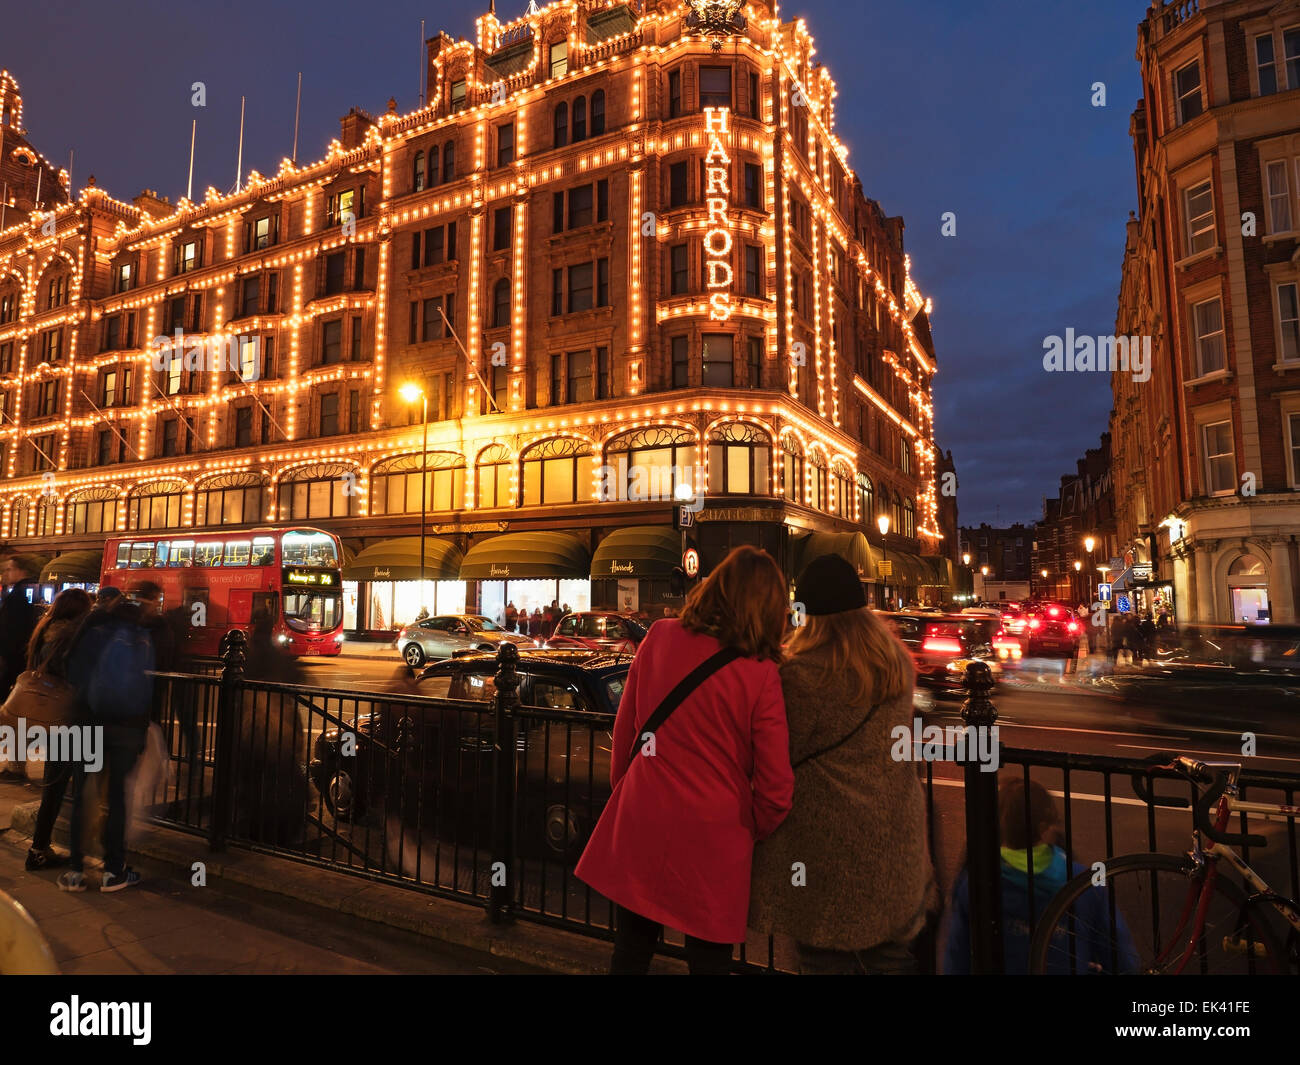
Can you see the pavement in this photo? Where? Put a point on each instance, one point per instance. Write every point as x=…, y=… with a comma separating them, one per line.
x=258, y=913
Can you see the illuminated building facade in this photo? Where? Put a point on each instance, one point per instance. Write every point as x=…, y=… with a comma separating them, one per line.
x=624, y=259
x=1207, y=451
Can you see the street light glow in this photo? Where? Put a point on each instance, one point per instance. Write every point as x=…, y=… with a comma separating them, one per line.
x=965, y=560
x=411, y=392
x=1089, y=543
x=882, y=523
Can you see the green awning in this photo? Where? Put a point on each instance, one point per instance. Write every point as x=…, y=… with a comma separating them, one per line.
x=939, y=571
x=399, y=560
x=851, y=546
x=526, y=556
x=909, y=570
x=73, y=567
x=638, y=551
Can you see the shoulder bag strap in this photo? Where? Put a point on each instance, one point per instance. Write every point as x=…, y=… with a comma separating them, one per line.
x=841, y=743
x=679, y=694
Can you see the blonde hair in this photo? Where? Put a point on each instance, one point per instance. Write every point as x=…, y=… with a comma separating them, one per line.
x=857, y=645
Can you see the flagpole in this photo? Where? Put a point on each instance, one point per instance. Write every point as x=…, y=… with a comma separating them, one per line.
x=297, y=112
x=239, y=165
x=189, y=185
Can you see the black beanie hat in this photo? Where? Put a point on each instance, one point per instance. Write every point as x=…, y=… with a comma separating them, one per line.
x=829, y=585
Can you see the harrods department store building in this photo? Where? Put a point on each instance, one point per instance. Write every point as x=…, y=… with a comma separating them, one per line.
x=621, y=257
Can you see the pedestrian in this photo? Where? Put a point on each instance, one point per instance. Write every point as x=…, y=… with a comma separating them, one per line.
x=109, y=664
x=1146, y=640
x=512, y=616
x=536, y=623
x=674, y=844
x=1122, y=638
x=857, y=830
x=19, y=614
x=565, y=611
x=48, y=654
x=1028, y=838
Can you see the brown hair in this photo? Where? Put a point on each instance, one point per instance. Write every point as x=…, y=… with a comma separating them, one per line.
x=859, y=646
x=1024, y=828
x=70, y=604
x=744, y=604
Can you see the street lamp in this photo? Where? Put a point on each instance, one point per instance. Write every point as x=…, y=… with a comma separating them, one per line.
x=1077, y=567
x=410, y=393
x=1043, y=574
x=965, y=561
x=984, y=584
x=882, y=523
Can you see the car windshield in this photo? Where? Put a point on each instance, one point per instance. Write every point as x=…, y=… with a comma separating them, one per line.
x=484, y=625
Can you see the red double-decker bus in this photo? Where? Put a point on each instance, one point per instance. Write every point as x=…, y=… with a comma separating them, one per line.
x=223, y=582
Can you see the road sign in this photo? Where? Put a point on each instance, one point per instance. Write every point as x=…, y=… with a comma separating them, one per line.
x=685, y=517
x=1103, y=593
x=691, y=562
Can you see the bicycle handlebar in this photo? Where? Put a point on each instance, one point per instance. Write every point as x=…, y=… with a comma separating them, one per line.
x=1216, y=781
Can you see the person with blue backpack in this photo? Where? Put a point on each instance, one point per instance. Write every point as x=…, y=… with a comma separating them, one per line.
x=110, y=664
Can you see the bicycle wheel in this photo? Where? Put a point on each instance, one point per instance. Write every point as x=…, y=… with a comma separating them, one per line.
x=1142, y=922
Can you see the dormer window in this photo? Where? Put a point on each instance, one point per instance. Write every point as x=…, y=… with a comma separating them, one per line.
x=261, y=233
x=188, y=257
x=458, y=98
x=559, y=59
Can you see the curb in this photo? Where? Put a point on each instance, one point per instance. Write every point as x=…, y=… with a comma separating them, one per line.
x=250, y=873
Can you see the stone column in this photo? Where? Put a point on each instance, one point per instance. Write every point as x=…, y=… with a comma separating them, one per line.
x=1203, y=577
x=1281, y=585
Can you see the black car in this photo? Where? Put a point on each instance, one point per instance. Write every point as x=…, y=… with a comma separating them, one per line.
x=1053, y=631
x=943, y=645
x=426, y=769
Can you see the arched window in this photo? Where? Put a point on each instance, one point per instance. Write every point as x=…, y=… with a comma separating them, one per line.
x=492, y=477
x=18, y=516
x=433, y=171
x=598, y=112
x=866, y=500
x=47, y=512
x=156, y=506
x=842, y=480
x=792, y=464
x=817, y=495
x=897, y=516
x=909, y=518
x=417, y=176
x=501, y=304
x=231, y=499
x=1246, y=566
x=561, y=124
x=740, y=460
x=91, y=510
x=650, y=464
x=323, y=490
x=449, y=162
x=395, y=484
x=555, y=472
x=579, y=119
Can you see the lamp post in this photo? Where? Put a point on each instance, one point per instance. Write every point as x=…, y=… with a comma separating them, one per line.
x=1044, y=576
x=984, y=584
x=882, y=523
x=1089, y=542
x=965, y=561
x=410, y=392
x=1077, y=567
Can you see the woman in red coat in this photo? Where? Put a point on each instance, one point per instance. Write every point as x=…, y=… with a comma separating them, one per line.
x=674, y=845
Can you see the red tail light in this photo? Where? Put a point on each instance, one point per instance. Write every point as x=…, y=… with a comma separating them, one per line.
x=941, y=645
x=1053, y=611
x=1074, y=626
x=1034, y=623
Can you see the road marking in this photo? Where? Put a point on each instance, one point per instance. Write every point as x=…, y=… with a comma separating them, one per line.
x=1211, y=754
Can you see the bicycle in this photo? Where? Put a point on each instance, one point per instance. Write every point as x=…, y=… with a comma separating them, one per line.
x=1186, y=918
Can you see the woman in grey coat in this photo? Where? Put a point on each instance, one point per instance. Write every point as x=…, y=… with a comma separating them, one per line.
x=848, y=874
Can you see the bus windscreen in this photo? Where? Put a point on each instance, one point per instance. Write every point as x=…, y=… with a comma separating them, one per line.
x=312, y=611
x=308, y=549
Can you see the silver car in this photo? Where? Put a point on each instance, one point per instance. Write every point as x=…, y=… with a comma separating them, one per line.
x=442, y=637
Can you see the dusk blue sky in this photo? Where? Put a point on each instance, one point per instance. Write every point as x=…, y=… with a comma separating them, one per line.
x=983, y=109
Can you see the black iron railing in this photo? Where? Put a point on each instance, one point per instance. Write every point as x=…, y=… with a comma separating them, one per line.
x=491, y=802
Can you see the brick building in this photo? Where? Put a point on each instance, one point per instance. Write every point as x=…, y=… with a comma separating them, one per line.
x=1207, y=452
x=624, y=261
x=1083, y=509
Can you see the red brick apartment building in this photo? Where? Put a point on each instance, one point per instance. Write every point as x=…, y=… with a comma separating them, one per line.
x=619, y=240
x=1207, y=452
